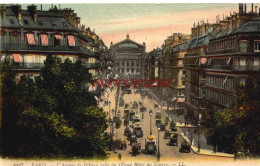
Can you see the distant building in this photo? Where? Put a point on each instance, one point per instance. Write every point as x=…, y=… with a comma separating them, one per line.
x=171, y=67
x=128, y=55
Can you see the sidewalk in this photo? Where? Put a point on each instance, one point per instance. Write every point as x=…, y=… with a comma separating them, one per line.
x=207, y=152
x=189, y=132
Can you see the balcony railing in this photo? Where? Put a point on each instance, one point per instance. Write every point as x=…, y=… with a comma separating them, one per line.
x=231, y=50
x=234, y=67
x=192, y=54
x=92, y=65
x=27, y=65
x=8, y=46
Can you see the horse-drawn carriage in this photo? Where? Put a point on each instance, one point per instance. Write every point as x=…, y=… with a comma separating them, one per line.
x=129, y=136
x=120, y=144
x=126, y=122
x=118, y=123
x=133, y=139
x=136, y=149
x=185, y=146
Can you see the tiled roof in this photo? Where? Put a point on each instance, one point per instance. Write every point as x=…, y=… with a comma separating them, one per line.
x=45, y=20
x=250, y=26
x=202, y=40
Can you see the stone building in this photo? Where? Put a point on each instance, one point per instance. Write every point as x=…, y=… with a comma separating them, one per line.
x=232, y=55
x=28, y=36
x=170, y=68
x=128, y=55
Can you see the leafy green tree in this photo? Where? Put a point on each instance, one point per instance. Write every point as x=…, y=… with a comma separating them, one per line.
x=237, y=128
x=55, y=114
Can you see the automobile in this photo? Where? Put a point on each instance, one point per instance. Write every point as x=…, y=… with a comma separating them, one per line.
x=173, y=126
x=138, y=130
x=156, y=105
x=167, y=134
x=158, y=113
x=128, y=91
x=118, y=115
x=157, y=116
x=173, y=139
x=162, y=127
x=131, y=115
x=150, y=144
x=137, y=118
x=158, y=122
x=121, y=103
x=127, y=106
x=126, y=112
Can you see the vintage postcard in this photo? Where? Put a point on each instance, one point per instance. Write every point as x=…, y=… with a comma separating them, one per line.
x=129, y=84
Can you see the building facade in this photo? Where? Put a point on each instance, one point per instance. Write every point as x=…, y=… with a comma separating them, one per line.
x=232, y=55
x=28, y=36
x=128, y=57
x=170, y=68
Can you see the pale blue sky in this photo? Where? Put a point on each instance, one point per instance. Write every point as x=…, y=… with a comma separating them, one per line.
x=150, y=23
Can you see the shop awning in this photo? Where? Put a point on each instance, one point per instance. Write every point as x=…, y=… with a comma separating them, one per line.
x=180, y=100
x=16, y=58
x=58, y=37
x=203, y=60
x=30, y=39
x=71, y=40
x=44, y=39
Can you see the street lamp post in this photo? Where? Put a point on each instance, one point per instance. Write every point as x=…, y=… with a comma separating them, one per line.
x=109, y=109
x=199, y=117
x=150, y=113
x=110, y=125
x=158, y=154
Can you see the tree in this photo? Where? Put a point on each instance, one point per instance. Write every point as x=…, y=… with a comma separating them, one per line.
x=237, y=128
x=56, y=115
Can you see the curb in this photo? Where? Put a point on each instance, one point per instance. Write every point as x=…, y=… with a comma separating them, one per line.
x=194, y=151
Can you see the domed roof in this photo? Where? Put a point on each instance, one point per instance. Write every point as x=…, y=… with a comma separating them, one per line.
x=127, y=45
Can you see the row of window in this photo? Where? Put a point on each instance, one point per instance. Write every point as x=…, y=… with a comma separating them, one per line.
x=232, y=44
x=31, y=58
x=39, y=39
x=128, y=64
x=127, y=70
x=222, y=44
x=221, y=98
x=237, y=61
x=220, y=82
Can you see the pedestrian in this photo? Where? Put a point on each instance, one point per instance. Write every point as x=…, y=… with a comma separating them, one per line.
x=119, y=156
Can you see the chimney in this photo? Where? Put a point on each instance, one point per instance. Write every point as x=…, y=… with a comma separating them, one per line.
x=242, y=7
x=239, y=8
x=3, y=12
x=32, y=11
x=256, y=9
x=17, y=11
x=245, y=7
x=252, y=8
